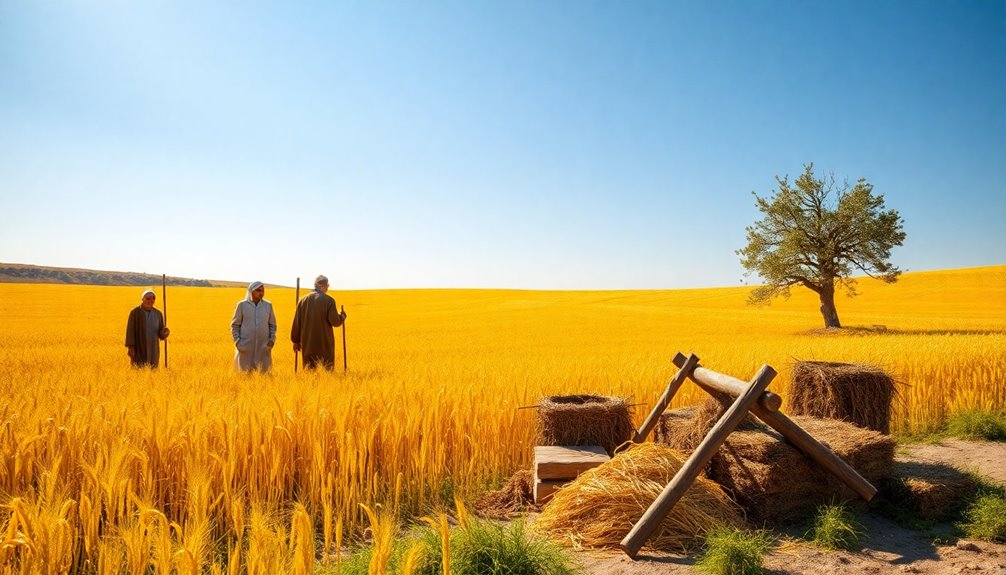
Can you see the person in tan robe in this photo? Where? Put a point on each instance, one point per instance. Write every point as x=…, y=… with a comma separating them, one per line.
x=313, y=324
x=144, y=330
x=253, y=330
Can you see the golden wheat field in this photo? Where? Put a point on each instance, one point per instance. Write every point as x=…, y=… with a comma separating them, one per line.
x=196, y=468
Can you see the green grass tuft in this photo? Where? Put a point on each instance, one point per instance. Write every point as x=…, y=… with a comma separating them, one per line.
x=732, y=551
x=977, y=425
x=985, y=517
x=835, y=527
x=486, y=548
x=494, y=549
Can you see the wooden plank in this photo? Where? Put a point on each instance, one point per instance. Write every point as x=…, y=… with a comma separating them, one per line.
x=545, y=488
x=808, y=445
x=665, y=399
x=693, y=466
x=566, y=461
x=720, y=383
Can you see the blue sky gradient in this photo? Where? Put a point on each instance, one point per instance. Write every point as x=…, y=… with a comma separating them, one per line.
x=553, y=145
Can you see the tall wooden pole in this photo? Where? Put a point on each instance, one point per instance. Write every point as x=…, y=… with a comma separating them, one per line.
x=296, y=301
x=345, y=362
x=164, y=294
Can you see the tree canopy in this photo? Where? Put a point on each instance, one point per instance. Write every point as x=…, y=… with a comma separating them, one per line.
x=816, y=234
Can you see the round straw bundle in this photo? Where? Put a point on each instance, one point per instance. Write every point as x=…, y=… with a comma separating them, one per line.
x=600, y=507
x=584, y=420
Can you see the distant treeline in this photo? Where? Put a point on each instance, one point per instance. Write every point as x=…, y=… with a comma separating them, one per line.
x=37, y=274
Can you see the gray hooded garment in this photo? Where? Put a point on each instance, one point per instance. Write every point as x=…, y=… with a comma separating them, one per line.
x=253, y=328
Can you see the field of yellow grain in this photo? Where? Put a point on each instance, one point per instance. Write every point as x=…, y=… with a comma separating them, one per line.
x=197, y=468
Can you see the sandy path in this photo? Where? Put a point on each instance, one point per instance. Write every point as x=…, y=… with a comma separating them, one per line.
x=988, y=458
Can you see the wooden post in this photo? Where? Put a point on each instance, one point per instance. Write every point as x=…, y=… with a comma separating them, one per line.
x=345, y=364
x=690, y=470
x=164, y=294
x=712, y=381
x=665, y=399
x=804, y=442
x=296, y=302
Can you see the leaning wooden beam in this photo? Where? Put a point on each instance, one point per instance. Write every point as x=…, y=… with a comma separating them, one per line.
x=803, y=441
x=814, y=449
x=690, y=470
x=712, y=381
x=665, y=399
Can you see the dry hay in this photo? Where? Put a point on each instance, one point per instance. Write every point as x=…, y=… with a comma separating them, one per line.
x=598, y=509
x=584, y=420
x=772, y=480
x=933, y=491
x=692, y=424
x=674, y=428
x=516, y=496
x=853, y=392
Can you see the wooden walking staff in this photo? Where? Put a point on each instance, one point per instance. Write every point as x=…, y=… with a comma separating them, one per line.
x=296, y=301
x=342, y=309
x=164, y=294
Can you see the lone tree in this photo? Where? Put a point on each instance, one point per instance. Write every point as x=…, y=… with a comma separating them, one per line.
x=807, y=239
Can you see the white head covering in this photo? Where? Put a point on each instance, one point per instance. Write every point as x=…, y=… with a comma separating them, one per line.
x=252, y=287
x=149, y=291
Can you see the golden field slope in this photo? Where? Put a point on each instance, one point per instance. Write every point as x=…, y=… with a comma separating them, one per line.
x=196, y=467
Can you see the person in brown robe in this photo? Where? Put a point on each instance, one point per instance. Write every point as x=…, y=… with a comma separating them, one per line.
x=313, y=324
x=144, y=330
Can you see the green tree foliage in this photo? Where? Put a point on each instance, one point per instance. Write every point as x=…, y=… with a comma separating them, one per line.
x=816, y=235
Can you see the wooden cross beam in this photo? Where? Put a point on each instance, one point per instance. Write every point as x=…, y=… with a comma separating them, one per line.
x=797, y=436
x=748, y=397
x=690, y=470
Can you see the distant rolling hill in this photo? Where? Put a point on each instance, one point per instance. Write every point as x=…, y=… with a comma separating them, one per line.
x=26, y=273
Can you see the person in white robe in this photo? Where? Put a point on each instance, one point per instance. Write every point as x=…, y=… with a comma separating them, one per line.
x=253, y=330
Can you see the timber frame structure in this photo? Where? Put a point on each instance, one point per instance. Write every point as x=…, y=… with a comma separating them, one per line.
x=748, y=398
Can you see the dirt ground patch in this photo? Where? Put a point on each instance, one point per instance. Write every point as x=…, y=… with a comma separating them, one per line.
x=987, y=458
x=888, y=547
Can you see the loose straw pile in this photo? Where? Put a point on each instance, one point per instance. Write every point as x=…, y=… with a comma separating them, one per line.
x=600, y=507
x=515, y=497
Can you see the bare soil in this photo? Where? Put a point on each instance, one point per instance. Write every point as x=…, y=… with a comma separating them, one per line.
x=887, y=548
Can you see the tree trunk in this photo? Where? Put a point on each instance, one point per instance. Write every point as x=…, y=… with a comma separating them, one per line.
x=828, y=306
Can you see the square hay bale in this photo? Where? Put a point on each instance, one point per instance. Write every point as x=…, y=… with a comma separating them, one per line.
x=853, y=392
x=933, y=491
x=774, y=481
x=686, y=427
x=673, y=426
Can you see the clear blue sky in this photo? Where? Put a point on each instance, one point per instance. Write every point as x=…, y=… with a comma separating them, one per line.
x=546, y=144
